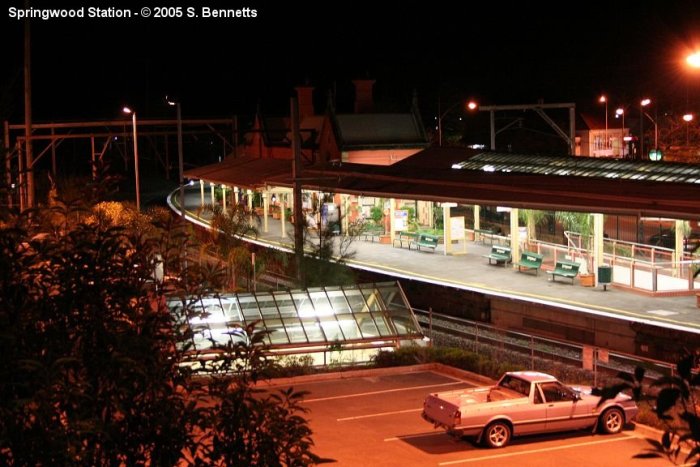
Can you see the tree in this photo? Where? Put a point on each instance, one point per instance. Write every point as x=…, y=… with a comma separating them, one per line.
x=581, y=223
x=91, y=354
x=326, y=252
x=227, y=228
x=676, y=406
x=532, y=218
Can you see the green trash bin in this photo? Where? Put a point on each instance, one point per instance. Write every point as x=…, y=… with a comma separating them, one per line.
x=604, y=276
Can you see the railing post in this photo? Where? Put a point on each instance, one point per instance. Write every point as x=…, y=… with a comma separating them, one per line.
x=632, y=270
x=430, y=325
x=654, y=273
x=532, y=352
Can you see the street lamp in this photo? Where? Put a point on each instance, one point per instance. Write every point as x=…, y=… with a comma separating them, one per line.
x=471, y=106
x=620, y=112
x=127, y=110
x=693, y=60
x=179, y=153
x=687, y=118
x=644, y=103
x=604, y=100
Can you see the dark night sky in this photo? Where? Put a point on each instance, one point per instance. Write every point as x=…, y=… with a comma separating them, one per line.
x=499, y=52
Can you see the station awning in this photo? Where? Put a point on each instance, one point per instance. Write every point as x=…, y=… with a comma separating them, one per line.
x=369, y=315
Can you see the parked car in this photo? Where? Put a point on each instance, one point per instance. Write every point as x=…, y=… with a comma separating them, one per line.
x=525, y=402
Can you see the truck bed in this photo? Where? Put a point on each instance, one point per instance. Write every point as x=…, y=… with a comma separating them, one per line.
x=447, y=408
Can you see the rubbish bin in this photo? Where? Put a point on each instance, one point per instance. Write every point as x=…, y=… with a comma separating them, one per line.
x=604, y=276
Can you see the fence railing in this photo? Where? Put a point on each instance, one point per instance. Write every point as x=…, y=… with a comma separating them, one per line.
x=643, y=267
x=539, y=346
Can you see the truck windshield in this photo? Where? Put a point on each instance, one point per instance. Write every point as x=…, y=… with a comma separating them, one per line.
x=515, y=384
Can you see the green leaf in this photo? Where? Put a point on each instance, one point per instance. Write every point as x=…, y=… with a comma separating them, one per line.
x=685, y=366
x=639, y=374
x=626, y=377
x=666, y=440
x=666, y=399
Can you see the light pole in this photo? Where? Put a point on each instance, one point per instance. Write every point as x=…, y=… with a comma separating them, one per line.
x=687, y=118
x=620, y=112
x=644, y=103
x=603, y=99
x=471, y=105
x=127, y=110
x=179, y=154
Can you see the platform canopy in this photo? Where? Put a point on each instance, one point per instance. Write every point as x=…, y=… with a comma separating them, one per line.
x=362, y=316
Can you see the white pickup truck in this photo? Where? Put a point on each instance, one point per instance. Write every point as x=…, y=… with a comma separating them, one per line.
x=524, y=402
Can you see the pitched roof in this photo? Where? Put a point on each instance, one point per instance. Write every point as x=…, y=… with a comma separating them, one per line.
x=277, y=130
x=389, y=130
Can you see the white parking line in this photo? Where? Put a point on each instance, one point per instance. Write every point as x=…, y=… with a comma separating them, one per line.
x=382, y=414
x=361, y=394
x=535, y=451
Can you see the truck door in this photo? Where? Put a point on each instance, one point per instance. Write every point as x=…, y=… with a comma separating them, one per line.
x=563, y=409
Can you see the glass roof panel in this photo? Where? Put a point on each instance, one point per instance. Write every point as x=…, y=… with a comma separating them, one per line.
x=580, y=166
x=319, y=315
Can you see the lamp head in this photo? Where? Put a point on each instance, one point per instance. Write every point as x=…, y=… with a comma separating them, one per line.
x=472, y=105
x=693, y=60
x=170, y=101
x=645, y=102
x=603, y=99
x=127, y=110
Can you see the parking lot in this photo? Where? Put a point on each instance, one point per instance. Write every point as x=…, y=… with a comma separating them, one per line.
x=374, y=420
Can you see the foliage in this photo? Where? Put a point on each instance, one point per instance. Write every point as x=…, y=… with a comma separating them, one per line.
x=376, y=213
x=452, y=356
x=532, y=218
x=227, y=228
x=90, y=353
x=438, y=220
x=676, y=407
x=326, y=254
x=580, y=222
x=249, y=426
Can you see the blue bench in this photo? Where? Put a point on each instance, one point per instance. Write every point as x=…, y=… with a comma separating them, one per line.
x=499, y=254
x=565, y=269
x=425, y=241
x=528, y=261
x=405, y=239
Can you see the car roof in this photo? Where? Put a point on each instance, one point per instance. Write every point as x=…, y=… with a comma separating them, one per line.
x=532, y=376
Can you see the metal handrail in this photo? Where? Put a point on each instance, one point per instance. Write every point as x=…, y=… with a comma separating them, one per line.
x=660, y=366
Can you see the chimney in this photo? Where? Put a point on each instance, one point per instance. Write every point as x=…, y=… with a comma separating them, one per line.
x=363, y=95
x=305, y=97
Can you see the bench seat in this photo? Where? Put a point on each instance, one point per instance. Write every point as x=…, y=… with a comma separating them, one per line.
x=371, y=233
x=405, y=239
x=566, y=269
x=499, y=254
x=529, y=261
x=425, y=241
x=483, y=234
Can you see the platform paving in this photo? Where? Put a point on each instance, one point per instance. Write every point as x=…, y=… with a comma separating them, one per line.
x=472, y=272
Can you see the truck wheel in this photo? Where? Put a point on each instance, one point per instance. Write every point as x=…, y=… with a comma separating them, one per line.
x=612, y=420
x=497, y=435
